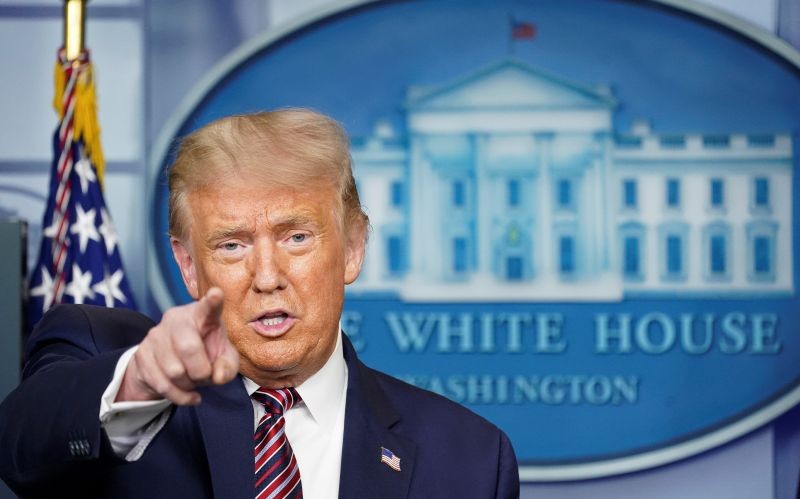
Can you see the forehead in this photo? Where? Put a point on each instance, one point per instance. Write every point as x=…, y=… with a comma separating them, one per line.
x=238, y=202
x=266, y=165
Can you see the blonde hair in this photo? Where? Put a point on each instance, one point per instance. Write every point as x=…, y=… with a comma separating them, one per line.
x=288, y=147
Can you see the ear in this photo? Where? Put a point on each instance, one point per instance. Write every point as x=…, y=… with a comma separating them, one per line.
x=354, y=253
x=186, y=263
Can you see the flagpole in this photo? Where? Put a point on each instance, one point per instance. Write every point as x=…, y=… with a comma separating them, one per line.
x=79, y=257
x=511, y=37
x=74, y=28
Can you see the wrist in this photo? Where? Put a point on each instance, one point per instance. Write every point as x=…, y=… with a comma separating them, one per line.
x=132, y=388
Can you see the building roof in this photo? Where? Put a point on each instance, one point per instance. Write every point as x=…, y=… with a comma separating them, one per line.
x=507, y=84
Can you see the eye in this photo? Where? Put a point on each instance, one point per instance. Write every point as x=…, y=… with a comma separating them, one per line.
x=299, y=238
x=230, y=246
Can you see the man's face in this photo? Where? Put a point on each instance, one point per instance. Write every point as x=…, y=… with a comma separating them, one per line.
x=281, y=258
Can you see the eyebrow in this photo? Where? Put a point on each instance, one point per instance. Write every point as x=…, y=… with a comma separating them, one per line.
x=226, y=232
x=292, y=220
x=281, y=223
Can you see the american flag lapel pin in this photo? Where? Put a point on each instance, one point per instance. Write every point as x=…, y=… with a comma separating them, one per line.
x=390, y=459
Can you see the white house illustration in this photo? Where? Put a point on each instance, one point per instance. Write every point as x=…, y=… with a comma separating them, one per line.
x=512, y=185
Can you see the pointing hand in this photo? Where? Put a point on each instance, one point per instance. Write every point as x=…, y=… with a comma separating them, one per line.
x=187, y=349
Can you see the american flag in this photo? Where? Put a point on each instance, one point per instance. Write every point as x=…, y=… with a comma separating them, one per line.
x=390, y=459
x=522, y=30
x=79, y=259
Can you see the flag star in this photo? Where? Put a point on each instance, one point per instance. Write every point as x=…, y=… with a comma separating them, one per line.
x=45, y=289
x=109, y=287
x=80, y=286
x=108, y=232
x=84, y=226
x=85, y=171
x=52, y=230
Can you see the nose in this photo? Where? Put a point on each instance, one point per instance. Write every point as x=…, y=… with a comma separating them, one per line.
x=267, y=268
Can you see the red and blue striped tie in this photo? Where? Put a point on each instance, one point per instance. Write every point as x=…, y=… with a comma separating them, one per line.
x=277, y=475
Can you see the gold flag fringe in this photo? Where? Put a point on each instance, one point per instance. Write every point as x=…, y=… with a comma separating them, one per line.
x=85, y=124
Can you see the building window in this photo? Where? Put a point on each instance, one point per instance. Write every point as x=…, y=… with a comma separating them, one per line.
x=761, y=192
x=761, y=250
x=762, y=263
x=395, y=254
x=632, y=245
x=717, y=193
x=397, y=194
x=458, y=193
x=629, y=193
x=717, y=251
x=631, y=257
x=674, y=255
x=566, y=249
x=513, y=192
x=673, y=193
x=514, y=268
x=564, y=193
x=513, y=256
x=459, y=255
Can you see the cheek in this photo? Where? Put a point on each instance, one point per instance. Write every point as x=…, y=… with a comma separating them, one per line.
x=235, y=327
x=326, y=292
x=228, y=277
x=327, y=297
x=320, y=278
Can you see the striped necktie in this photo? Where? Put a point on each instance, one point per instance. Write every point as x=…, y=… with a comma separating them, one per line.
x=277, y=475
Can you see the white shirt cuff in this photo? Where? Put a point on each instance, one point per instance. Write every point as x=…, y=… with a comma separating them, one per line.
x=130, y=426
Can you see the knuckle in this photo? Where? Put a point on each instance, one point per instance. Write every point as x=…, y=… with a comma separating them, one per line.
x=202, y=371
x=186, y=345
x=174, y=370
x=162, y=387
x=155, y=337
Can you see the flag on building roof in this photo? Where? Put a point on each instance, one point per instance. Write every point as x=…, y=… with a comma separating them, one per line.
x=79, y=258
x=522, y=30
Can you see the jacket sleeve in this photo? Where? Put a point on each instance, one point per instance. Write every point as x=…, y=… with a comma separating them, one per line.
x=49, y=425
x=507, y=471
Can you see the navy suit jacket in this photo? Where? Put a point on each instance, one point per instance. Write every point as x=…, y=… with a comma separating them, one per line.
x=52, y=444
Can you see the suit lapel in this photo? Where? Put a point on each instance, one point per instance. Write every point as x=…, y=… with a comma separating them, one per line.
x=226, y=421
x=369, y=417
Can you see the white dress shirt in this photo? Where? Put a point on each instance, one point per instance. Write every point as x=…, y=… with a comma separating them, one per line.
x=314, y=427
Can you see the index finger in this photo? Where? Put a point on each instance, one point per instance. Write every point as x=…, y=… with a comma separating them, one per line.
x=209, y=311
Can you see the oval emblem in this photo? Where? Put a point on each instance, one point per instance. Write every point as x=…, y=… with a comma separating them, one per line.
x=583, y=213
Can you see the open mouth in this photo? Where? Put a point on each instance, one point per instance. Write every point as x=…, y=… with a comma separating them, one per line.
x=273, y=324
x=274, y=319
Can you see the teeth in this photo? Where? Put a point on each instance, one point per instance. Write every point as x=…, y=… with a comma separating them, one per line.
x=273, y=321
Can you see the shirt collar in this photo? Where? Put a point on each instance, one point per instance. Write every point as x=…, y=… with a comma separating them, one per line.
x=322, y=392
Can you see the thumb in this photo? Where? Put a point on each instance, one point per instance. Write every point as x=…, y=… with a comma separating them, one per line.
x=226, y=365
x=208, y=311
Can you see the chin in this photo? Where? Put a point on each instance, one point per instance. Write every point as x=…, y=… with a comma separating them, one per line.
x=276, y=363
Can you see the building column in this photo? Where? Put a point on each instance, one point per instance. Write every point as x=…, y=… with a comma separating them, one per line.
x=483, y=207
x=423, y=208
x=545, y=265
x=599, y=229
x=607, y=206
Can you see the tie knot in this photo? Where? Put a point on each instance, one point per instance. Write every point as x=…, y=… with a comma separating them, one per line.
x=277, y=401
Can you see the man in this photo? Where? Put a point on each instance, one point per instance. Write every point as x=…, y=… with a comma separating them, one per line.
x=267, y=228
